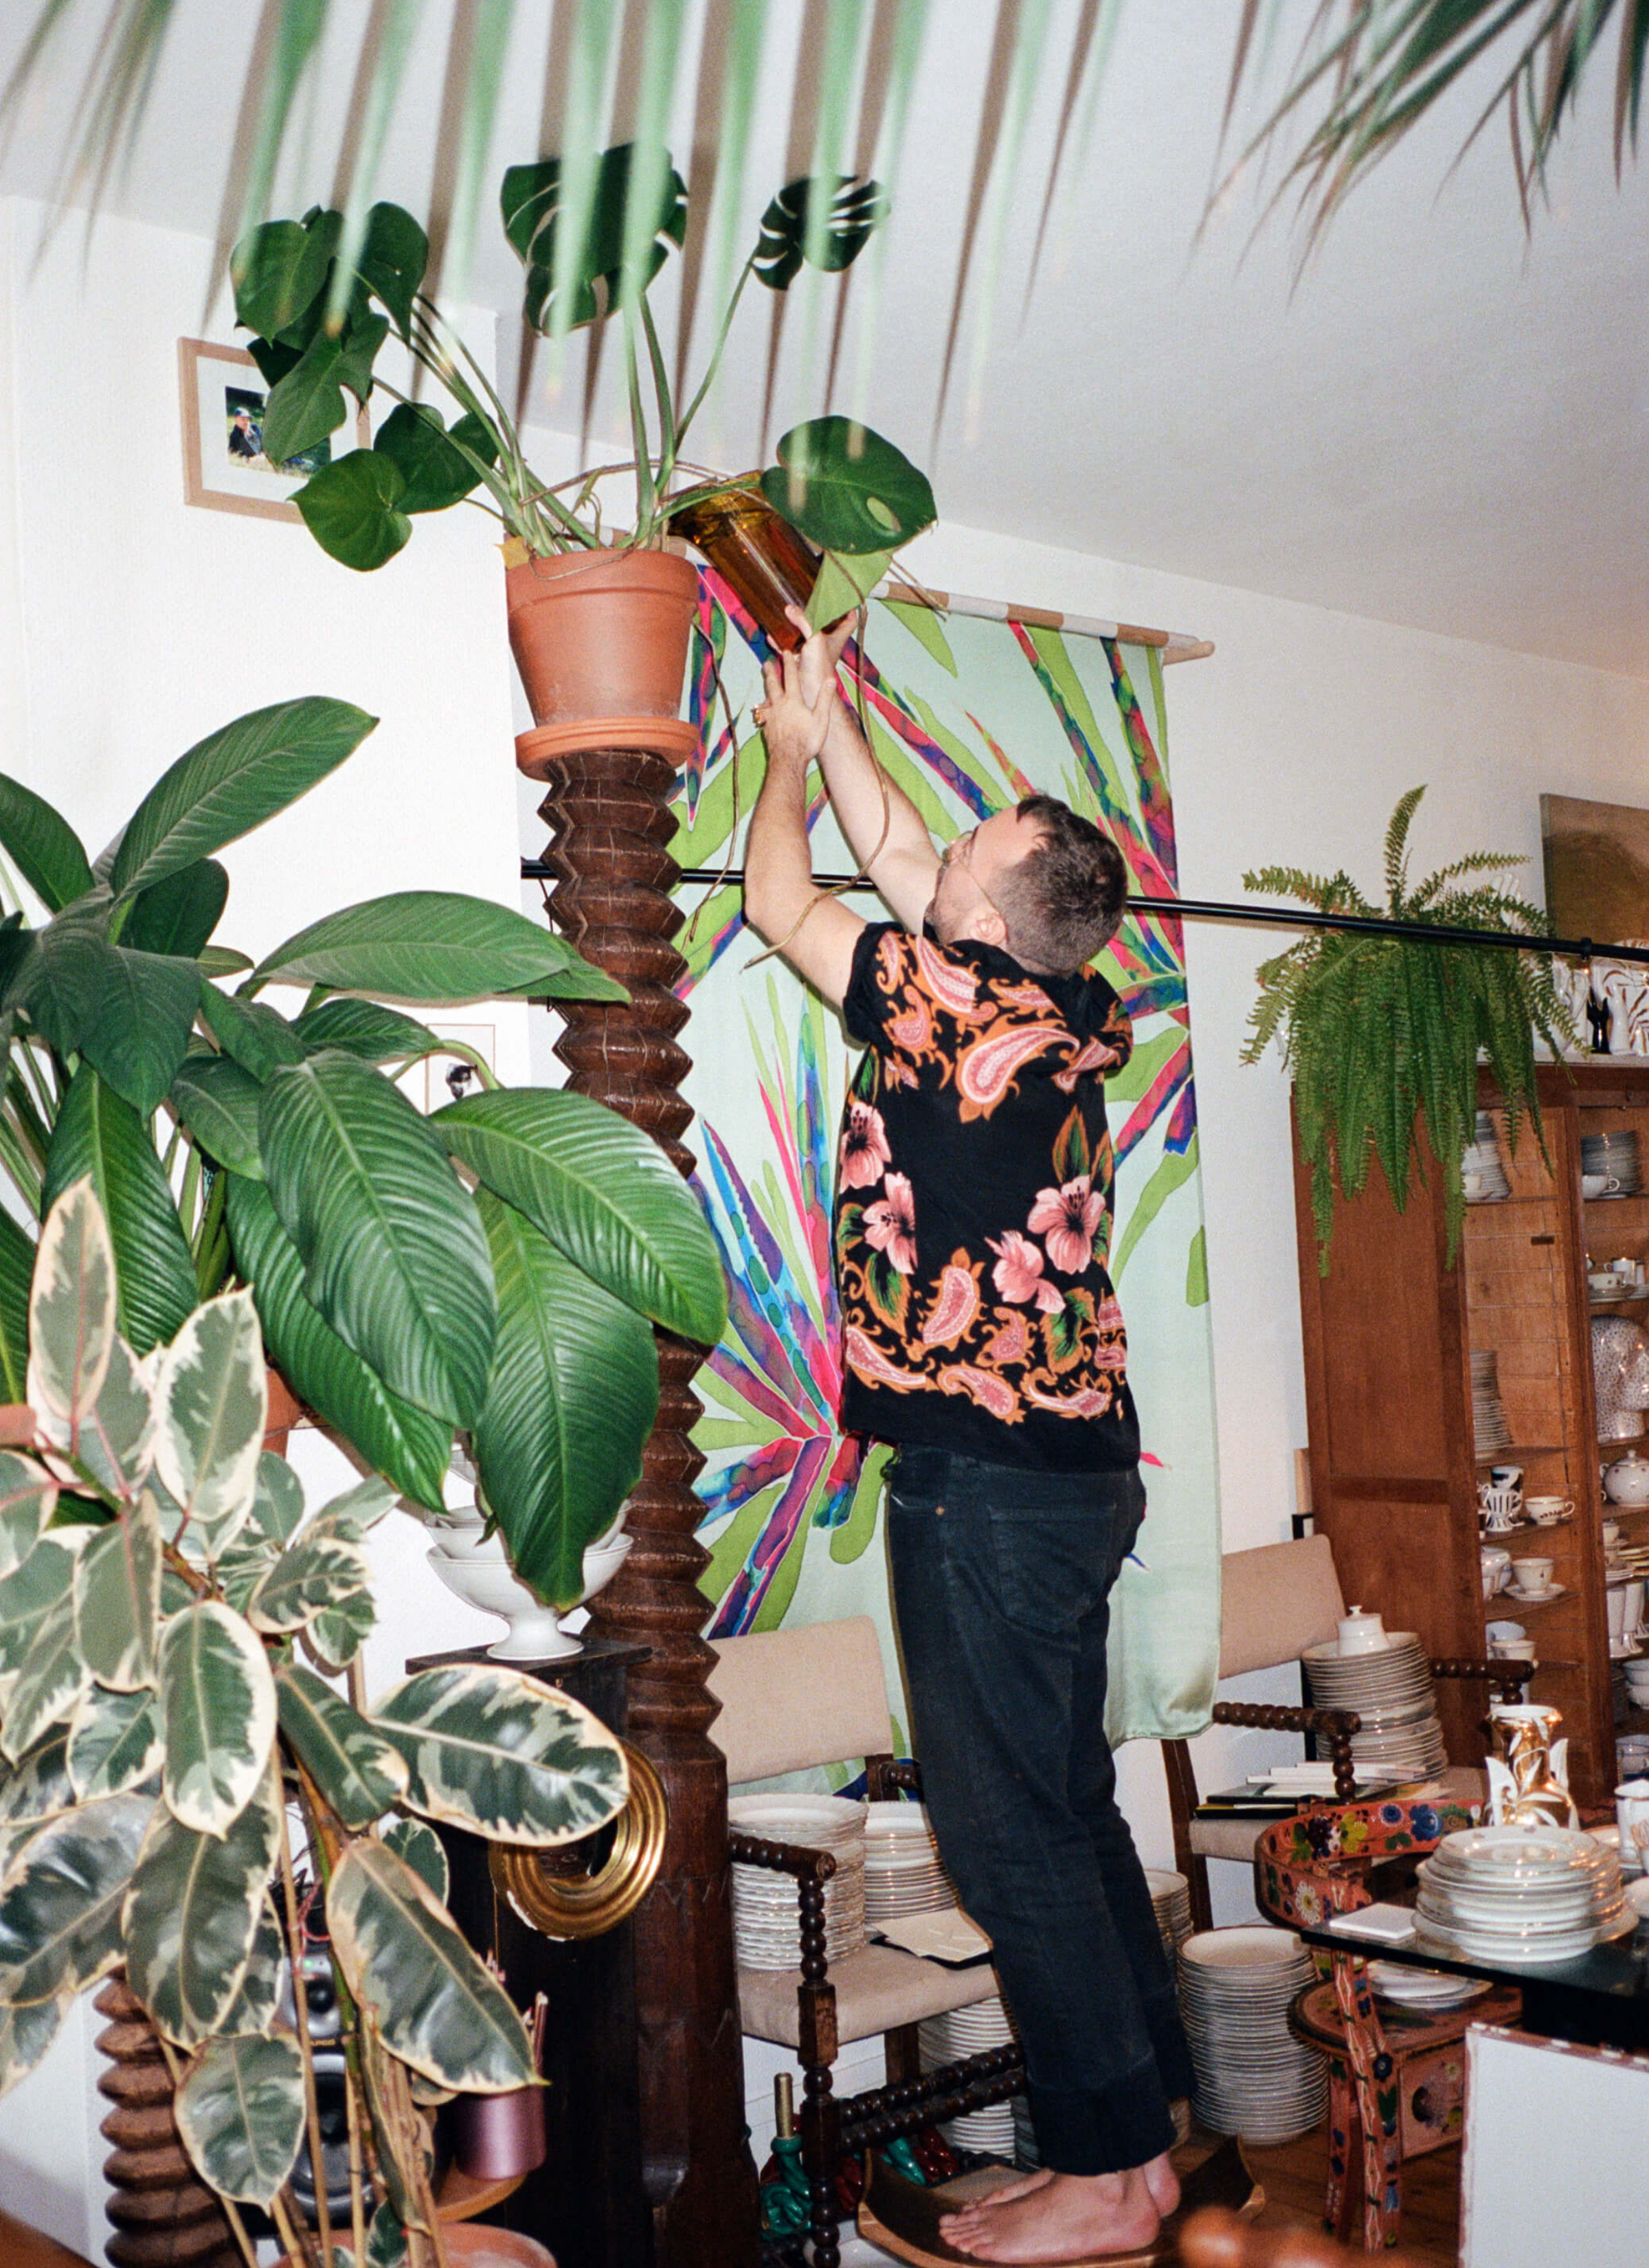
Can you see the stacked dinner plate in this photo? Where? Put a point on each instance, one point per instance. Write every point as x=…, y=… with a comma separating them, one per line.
x=1519, y=1895
x=1490, y=1432
x=903, y=1873
x=767, y=1907
x=949, y=2039
x=1483, y=1158
x=1171, y=1898
x=1614, y=1154
x=1253, y=2077
x=1422, y=1988
x=1391, y=1690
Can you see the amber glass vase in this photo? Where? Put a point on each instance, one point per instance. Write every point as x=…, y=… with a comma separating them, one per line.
x=762, y=558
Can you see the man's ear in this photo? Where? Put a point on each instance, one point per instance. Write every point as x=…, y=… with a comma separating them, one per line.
x=989, y=928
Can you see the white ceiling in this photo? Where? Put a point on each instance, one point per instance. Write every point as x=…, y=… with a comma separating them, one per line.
x=1439, y=423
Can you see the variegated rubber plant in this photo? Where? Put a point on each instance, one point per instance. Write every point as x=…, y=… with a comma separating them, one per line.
x=173, y=1632
x=493, y=1269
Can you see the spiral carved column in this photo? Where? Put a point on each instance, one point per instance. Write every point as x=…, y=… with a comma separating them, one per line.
x=164, y=2214
x=607, y=811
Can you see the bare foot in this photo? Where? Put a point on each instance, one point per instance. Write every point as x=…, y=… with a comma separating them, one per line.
x=1163, y=2184
x=1068, y=2217
x=1023, y=2187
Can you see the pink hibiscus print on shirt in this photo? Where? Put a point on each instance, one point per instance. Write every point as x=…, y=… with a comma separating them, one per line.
x=1069, y=1218
x=1018, y=1274
x=864, y=1152
x=890, y=1224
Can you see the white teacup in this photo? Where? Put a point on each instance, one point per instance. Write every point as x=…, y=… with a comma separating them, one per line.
x=1533, y=1576
x=1363, y=1632
x=1603, y=1280
x=1632, y=1814
x=1611, y=1534
x=1547, y=1511
x=1598, y=1185
x=1513, y=1649
x=1499, y=1633
x=1500, y=1506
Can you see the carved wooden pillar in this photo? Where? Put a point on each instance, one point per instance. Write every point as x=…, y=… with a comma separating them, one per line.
x=607, y=811
x=164, y=2214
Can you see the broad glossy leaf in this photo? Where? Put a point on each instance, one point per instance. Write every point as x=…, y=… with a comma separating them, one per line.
x=38, y=1786
x=573, y=1396
x=533, y=201
x=438, y=2009
x=37, y=1588
x=232, y=781
x=307, y=404
x=100, y=1136
x=117, y=1599
x=406, y=1443
x=359, y=1771
x=334, y=1639
x=59, y=978
x=114, y=1443
x=240, y=2113
x=220, y=960
x=314, y=1573
x=602, y=1192
x=140, y=1031
x=28, y=1496
x=241, y=1566
x=847, y=489
x=250, y=1032
x=394, y=1257
x=178, y=915
x=352, y=508
x=17, y=1271
x=42, y=846
x=255, y=2005
x=27, y=2029
x=212, y=1402
x=434, y=473
x=218, y=1714
x=386, y=2239
x=219, y=1102
x=423, y=1852
x=395, y=254
x=60, y=1902
x=53, y=1676
x=357, y=1510
x=277, y=1501
x=491, y=1750
x=434, y=945
x=113, y=1743
x=192, y=1913
x=279, y=271
x=852, y=209
x=72, y=1306
x=361, y=1028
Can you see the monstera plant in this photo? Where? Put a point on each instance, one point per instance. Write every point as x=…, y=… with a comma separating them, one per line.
x=492, y=1270
x=592, y=241
x=172, y=1628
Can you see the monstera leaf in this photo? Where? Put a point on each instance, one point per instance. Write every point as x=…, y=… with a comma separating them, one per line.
x=352, y=507
x=826, y=219
x=436, y=472
x=542, y=208
x=847, y=489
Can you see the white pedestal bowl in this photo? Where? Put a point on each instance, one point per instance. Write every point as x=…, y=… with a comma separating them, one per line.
x=477, y=1572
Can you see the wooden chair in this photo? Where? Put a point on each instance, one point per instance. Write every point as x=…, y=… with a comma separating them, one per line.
x=791, y=1699
x=1275, y=1602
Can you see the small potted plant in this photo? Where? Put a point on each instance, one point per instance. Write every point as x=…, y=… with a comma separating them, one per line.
x=1383, y=1033
x=172, y=1628
x=599, y=625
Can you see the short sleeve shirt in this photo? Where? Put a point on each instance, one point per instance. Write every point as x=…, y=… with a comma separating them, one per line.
x=973, y=1208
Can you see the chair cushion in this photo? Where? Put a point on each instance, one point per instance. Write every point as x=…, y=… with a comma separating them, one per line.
x=876, y=1991
x=1276, y=1600
x=1235, y=1839
x=814, y=1695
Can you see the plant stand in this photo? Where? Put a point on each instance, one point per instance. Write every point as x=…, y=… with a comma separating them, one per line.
x=608, y=812
x=163, y=2215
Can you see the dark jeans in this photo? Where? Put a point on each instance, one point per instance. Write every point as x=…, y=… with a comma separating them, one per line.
x=1001, y=1581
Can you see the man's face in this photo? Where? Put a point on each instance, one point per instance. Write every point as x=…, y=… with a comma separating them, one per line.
x=964, y=897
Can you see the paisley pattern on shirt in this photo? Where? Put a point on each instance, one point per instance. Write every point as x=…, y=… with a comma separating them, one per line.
x=973, y=1213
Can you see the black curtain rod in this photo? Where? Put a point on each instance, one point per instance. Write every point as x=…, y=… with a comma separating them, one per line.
x=1566, y=948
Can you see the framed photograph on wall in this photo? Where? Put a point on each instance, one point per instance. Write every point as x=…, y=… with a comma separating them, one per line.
x=222, y=396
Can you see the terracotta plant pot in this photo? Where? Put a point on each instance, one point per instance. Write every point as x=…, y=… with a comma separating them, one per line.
x=285, y=1411
x=764, y=562
x=602, y=635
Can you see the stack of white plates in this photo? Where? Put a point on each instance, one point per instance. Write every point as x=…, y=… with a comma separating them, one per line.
x=1482, y=1157
x=1253, y=2077
x=1171, y=1898
x=903, y=1873
x=1422, y=1988
x=1392, y=1692
x=1491, y=1432
x=767, y=1907
x=950, y=2039
x=1616, y=1154
x=1519, y=1895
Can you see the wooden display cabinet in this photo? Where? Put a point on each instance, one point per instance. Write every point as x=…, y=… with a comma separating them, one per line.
x=1394, y=1467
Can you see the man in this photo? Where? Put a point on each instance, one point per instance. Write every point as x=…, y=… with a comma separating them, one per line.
x=982, y=1337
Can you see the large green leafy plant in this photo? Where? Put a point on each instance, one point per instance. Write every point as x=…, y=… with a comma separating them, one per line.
x=489, y=1271
x=592, y=240
x=160, y=1588
x=1383, y=1033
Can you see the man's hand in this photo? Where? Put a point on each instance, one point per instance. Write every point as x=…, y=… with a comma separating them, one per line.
x=821, y=651
x=794, y=727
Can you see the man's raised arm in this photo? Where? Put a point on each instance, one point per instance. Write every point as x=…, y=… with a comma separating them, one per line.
x=906, y=866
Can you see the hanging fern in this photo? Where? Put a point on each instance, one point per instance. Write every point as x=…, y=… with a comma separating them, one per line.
x=1380, y=1031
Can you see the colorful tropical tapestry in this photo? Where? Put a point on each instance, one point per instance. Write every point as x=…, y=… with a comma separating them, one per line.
x=967, y=715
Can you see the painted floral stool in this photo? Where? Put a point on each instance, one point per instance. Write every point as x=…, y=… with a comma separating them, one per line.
x=1322, y=1862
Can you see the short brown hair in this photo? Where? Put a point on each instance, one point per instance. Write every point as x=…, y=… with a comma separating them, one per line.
x=1064, y=900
